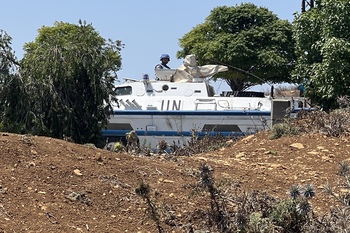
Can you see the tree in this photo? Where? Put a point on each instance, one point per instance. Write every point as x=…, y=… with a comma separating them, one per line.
x=69, y=74
x=322, y=36
x=255, y=44
x=12, y=112
x=8, y=60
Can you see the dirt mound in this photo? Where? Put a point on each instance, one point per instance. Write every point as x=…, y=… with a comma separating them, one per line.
x=50, y=185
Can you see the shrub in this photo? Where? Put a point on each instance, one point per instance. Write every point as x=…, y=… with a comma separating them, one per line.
x=283, y=129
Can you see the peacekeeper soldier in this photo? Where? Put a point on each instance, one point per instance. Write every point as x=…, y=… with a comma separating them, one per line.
x=164, y=58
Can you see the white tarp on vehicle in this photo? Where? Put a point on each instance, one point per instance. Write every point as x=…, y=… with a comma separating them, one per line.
x=189, y=70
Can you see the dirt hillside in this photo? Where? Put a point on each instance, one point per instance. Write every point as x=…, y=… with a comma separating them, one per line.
x=50, y=185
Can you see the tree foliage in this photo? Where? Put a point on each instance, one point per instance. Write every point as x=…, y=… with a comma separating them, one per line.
x=8, y=60
x=255, y=44
x=10, y=81
x=322, y=37
x=68, y=78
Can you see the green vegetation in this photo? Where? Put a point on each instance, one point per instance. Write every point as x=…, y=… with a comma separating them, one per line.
x=64, y=86
x=249, y=38
x=283, y=129
x=322, y=37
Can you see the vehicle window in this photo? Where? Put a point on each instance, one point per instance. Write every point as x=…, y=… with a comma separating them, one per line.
x=123, y=90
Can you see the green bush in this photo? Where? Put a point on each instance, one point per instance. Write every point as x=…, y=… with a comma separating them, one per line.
x=283, y=129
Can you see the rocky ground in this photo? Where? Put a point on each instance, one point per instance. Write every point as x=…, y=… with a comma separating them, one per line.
x=50, y=185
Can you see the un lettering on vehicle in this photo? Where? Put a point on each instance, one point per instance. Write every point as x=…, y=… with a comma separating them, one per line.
x=171, y=104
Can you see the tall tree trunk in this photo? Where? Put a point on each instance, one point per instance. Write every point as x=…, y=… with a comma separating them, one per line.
x=238, y=84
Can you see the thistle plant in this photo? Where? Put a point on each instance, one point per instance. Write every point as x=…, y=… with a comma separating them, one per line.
x=144, y=190
x=162, y=146
x=303, y=206
x=218, y=213
x=344, y=169
x=294, y=192
x=340, y=215
x=309, y=191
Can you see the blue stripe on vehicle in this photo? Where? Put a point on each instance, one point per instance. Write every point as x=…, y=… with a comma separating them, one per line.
x=122, y=133
x=194, y=113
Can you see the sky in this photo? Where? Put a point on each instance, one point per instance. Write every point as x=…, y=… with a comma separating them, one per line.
x=146, y=28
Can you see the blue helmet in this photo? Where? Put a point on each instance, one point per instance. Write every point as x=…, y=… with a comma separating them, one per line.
x=165, y=56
